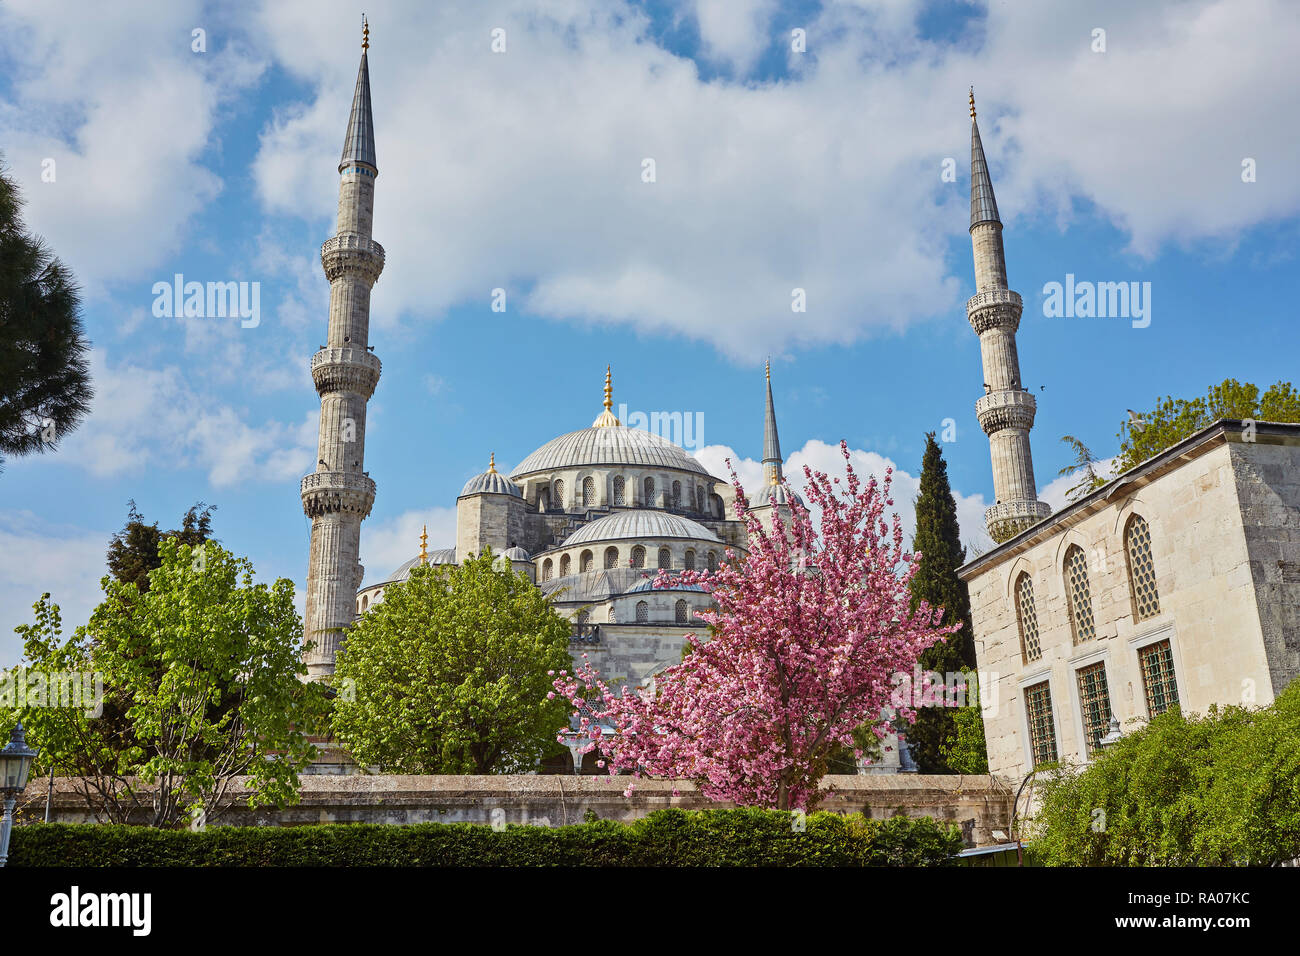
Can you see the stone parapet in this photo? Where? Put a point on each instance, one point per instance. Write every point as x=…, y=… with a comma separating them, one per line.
x=345, y=370
x=1006, y=408
x=1008, y=518
x=994, y=308
x=352, y=253
x=328, y=492
x=977, y=804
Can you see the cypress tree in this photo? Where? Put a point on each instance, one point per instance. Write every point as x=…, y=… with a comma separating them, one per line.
x=938, y=539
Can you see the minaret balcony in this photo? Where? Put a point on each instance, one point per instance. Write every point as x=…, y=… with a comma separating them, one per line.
x=345, y=370
x=1006, y=519
x=335, y=492
x=1006, y=408
x=353, y=254
x=994, y=309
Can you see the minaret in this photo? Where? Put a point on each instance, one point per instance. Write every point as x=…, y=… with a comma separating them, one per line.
x=1006, y=411
x=773, y=490
x=339, y=493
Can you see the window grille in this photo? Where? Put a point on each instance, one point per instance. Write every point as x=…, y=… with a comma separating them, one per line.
x=1079, y=595
x=1030, y=650
x=1094, y=704
x=1158, y=680
x=1141, y=569
x=1042, y=732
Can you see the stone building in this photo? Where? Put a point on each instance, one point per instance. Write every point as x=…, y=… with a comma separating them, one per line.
x=592, y=517
x=1176, y=583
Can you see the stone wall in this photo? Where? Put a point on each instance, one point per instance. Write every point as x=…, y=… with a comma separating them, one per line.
x=979, y=805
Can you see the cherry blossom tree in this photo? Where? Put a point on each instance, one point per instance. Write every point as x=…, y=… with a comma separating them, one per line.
x=810, y=631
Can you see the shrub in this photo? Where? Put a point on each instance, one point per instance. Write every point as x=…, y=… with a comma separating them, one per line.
x=745, y=837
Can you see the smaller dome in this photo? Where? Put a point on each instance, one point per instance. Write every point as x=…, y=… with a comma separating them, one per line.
x=491, y=483
x=763, y=499
x=641, y=523
x=648, y=584
x=439, y=556
x=517, y=554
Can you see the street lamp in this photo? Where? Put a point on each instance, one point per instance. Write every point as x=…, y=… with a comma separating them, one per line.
x=15, y=761
x=1113, y=735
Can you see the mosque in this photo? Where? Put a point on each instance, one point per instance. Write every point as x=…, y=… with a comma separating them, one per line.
x=590, y=517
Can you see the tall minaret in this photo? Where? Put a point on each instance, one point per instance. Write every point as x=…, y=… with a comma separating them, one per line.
x=773, y=490
x=339, y=493
x=1006, y=412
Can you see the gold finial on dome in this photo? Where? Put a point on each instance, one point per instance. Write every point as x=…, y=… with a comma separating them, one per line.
x=492, y=464
x=606, y=419
x=424, y=542
x=365, y=33
x=972, y=102
x=768, y=369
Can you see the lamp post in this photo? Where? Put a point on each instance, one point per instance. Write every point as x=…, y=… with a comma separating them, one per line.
x=15, y=761
x=1114, y=733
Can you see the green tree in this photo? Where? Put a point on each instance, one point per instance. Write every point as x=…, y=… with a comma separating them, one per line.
x=449, y=674
x=938, y=540
x=201, y=684
x=44, y=376
x=1085, y=462
x=965, y=750
x=1174, y=419
x=133, y=551
x=1213, y=790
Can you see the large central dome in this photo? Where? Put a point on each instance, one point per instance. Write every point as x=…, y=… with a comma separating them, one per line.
x=608, y=445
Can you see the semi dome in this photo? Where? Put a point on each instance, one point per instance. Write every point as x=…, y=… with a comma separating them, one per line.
x=491, y=482
x=773, y=493
x=641, y=524
x=609, y=445
x=516, y=554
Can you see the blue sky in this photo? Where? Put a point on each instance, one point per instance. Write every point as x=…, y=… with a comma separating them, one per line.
x=522, y=170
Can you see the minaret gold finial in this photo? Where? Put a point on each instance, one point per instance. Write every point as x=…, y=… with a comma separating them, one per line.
x=768, y=369
x=972, y=102
x=606, y=418
x=365, y=33
x=492, y=463
x=424, y=542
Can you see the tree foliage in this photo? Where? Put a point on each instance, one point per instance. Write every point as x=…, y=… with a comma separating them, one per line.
x=133, y=551
x=201, y=681
x=44, y=375
x=1085, y=465
x=1174, y=419
x=448, y=673
x=811, y=628
x=937, y=543
x=1216, y=790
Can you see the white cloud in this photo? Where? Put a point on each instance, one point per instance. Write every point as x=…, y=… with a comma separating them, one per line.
x=819, y=456
x=735, y=31
x=1054, y=492
x=44, y=555
x=387, y=545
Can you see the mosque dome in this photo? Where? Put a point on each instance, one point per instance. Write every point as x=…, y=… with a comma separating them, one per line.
x=439, y=556
x=491, y=482
x=608, y=442
x=516, y=554
x=777, y=494
x=641, y=523
x=648, y=584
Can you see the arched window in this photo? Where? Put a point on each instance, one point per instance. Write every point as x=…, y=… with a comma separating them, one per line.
x=665, y=558
x=613, y=618
x=1027, y=615
x=1141, y=569
x=547, y=569
x=699, y=498
x=638, y=557
x=611, y=557
x=365, y=603
x=587, y=561
x=583, y=616
x=1079, y=595
x=718, y=507
x=544, y=498
x=690, y=560
x=677, y=494
x=558, y=495
x=649, y=492
x=618, y=489
x=588, y=492
x=642, y=612
x=679, y=612
x=564, y=565
x=713, y=560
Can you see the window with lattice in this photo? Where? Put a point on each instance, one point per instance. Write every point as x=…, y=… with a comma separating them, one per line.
x=690, y=561
x=1158, y=680
x=588, y=492
x=638, y=557
x=1079, y=595
x=1094, y=703
x=557, y=495
x=1042, y=731
x=1027, y=613
x=649, y=492
x=611, y=557
x=642, y=612
x=665, y=558
x=564, y=565
x=1141, y=569
x=619, y=485
x=680, y=612
x=587, y=562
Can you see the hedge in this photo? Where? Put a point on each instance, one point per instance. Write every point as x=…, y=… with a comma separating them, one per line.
x=670, y=837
